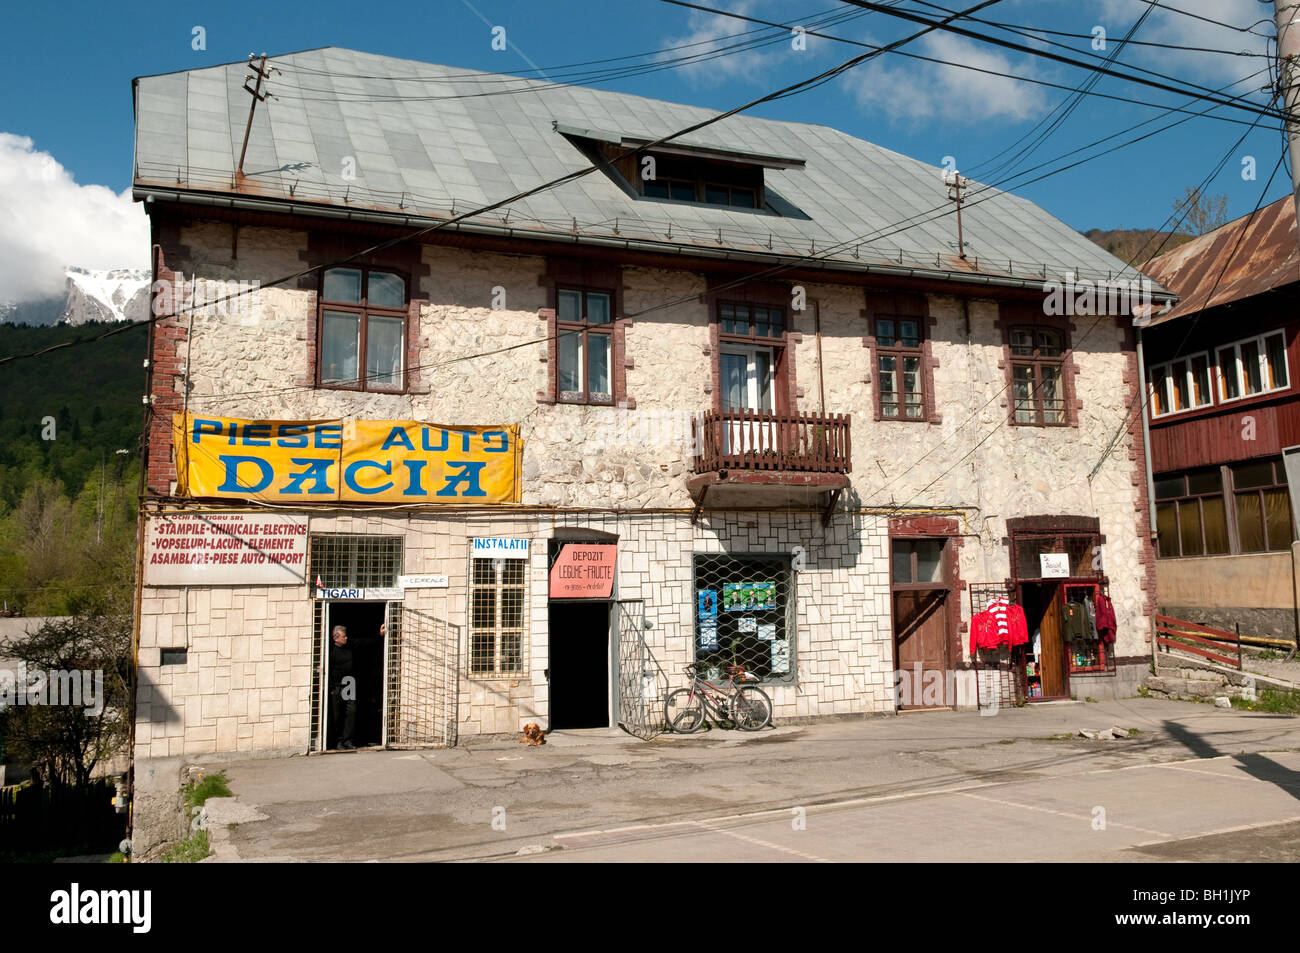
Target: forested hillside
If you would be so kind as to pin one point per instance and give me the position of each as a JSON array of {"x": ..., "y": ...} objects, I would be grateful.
[{"x": 67, "y": 496}]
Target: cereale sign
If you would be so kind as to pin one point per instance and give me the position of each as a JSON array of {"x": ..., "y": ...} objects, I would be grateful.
[{"x": 330, "y": 461}]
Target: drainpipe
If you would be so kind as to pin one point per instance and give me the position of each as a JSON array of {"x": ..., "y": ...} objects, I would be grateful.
[
  {"x": 821, "y": 380},
  {"x": 1146, "y": 456}
]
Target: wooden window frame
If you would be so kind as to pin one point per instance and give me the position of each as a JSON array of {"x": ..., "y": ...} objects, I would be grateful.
[
  {"x": 364, "y": 310},
  {"x": 585, "y": 328},
  {"x": 773, "y": 295},
  {"x": 906, "y": 306},
  {"x": 1165, "y": 398},
  {"x": 569, "y": 274},
  {"x": 900, "y": 352},
  {"x": 1228, "y": 491},
  {"x": 1261, "y": 340},
  {"x": 497, "y": 629},
  {"x": 1038, "y": 362}
]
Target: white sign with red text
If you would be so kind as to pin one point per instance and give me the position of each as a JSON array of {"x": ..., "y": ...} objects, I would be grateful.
[{"x": 224, "y": 549}]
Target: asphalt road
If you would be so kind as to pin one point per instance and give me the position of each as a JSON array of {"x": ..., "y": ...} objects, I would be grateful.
[{"x": 1193, "y": 783}]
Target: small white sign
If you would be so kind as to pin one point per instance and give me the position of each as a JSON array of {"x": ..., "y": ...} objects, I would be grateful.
[
  {"x": 1054, "y": 565},
  {"x": 747, "y": 623},
  {"x": 500, "y": 547},
  {"x": 423, "y": 582},
  {"x": 355, "y": 594}
]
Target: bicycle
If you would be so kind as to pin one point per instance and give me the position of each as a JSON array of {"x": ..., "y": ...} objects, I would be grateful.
[{"x": 745, "y": 706}]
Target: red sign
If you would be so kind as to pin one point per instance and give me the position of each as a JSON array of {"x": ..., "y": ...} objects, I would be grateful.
[{"x": 584, "y": 571}]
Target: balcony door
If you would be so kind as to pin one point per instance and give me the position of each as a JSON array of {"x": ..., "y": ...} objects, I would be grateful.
[{"x": 747, "y": 385}]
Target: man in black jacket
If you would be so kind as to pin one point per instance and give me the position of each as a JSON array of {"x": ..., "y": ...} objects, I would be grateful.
[{"x": 343, "y": 689}]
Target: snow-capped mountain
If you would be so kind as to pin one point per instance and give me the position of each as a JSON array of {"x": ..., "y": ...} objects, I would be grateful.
[{"x": 118, "y": 294}]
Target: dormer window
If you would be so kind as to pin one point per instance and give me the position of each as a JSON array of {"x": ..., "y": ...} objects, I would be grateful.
[{"x": 684, "y": 173}]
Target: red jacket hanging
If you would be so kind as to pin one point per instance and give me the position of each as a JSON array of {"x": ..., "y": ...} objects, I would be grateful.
[
  {"x": 1003, "y": 623},
  {"x": 1106, "y": 623}
]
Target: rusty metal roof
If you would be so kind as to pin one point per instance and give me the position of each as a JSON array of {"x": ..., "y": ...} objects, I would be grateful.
[{"x": 1266, "y": 257}]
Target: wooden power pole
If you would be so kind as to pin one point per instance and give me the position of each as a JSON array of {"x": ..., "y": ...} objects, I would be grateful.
[
  {"x": 1287, "y": 18},
  {"x": 258, "y": 96}
]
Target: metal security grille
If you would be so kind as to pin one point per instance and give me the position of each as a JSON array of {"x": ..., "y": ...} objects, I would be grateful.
[
  {"x": 497, "y": 602},
  {"x": 363, "y": 562},
  {"x": 642, "y": 684},
  {"x": 317, "y": 701},
  {"x": 423, "y": 681},
  {"x": 999, "y": 676},
  {"x": 744, "y": 616}
]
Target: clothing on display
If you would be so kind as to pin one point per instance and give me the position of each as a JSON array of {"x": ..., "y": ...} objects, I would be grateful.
[
  {"x": 1105, "y": 618},
  {"x": 1002, "y": 623}
]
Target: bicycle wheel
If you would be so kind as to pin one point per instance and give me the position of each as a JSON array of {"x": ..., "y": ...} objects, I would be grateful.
[
  {"x": 684, "y": 711},
  {"x": 751, "y": 709}
]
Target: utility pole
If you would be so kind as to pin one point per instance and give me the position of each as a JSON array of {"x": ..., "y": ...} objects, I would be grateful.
[
  {"x": 1287, "y": 18},
  {"x": 957, "y": 184},
  {"x": 258, "y": 96}
]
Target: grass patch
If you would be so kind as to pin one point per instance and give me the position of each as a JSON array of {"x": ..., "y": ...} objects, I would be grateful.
[
  {"x": 1064, "y": 737},
  {"x": 196, "y": 845},
  {"x": 1268, "y": 655},
  {"x": 1090, "y": 700},
  {"x": 1135, "y": 731},
  {"x": 188, "y": 851},
  {"x": 197, "y": 792},
  {"x": 1144, "y": 692},
  {"x": 117, "y": 857},
  {"x": 1007, "y": 741},
  {"x": 1271, "y": 700}
]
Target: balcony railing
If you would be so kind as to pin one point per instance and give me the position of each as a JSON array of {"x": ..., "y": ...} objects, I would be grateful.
[{"x": 762, "y": 440}]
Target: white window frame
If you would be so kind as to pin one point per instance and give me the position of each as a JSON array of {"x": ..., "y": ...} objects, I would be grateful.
[
  {"x": 1260, "y": 341},
  {"x": 1167, "y": 367}
]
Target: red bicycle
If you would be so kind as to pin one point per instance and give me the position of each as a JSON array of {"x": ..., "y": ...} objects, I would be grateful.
[{"x": 745, "y": 706}]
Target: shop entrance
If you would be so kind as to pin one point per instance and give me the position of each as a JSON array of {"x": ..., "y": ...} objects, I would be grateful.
[
  {"x": 919, "y": 579},
  {"x": 356, "y": 707},
  {"x": 579, "y": 669},
  {"x": 1047, "y": 660}
]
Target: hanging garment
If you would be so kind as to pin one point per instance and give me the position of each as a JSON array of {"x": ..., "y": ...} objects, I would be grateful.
[
  {"x": 1092, "y": 618},
  {"x": 1105, "y": 618},
  {"x": 1013, "y": 630},
  {"x": 1074, "y": 622}
]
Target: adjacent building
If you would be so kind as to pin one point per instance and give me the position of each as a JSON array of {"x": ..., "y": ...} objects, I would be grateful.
[
  {"x": 1222, "y": 407},
  {"x": 737, "y": 398}
]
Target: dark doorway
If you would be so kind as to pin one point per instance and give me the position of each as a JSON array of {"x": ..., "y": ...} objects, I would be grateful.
[
  {"x": 362, "y": 621},
  {"x": 1042, "y": 604},
  {"x": 579, "y": 664}
]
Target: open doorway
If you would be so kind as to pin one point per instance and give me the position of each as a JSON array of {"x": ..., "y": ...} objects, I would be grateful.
[
  {"x": 354, "y": 710},
  {"x": 579, "y": 664},
  {"x": 1048, "y": 661}
]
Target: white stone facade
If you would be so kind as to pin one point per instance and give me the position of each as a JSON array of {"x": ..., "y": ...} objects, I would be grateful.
[{"x": 248, "y": 683}]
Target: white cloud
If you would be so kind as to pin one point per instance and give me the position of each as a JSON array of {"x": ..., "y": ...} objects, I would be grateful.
[
  {"x": 48, "y": 221},
  {"x": 916, "y": 90},
  {"x": 1167, "y": 26},
  {"x": 709, "y": 33}
]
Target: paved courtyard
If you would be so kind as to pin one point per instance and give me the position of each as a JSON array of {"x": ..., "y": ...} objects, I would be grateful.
[{"x": 1193, "y": 783}]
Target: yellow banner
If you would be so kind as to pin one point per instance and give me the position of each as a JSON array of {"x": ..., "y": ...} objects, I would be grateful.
[{"x": 329, "y": 461}]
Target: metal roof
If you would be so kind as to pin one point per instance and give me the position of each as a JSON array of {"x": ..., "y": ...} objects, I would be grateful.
[
  {"x": 426, "y": 142},
  {"x": 1266, "y": 257}
]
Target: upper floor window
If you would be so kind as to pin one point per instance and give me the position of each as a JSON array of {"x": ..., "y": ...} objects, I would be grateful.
[
  {"x": 1238, "y": 508},
  {"x": 584, "y": 326},
  {"x": 900, "y": 390},
  {"x": 1256, "y": 365},
  {"x": 1180, "y": 385},
  {"x": 363, "y": 329},
  {"x": 751, "y": 321},
  {"x": 1038, "y": 376}
]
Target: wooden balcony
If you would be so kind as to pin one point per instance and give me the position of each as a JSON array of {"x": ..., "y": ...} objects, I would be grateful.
[{"x": 794, "y": 456}]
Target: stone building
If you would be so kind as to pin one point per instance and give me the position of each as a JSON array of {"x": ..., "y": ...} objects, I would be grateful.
[{"x": 754, "y": 406}]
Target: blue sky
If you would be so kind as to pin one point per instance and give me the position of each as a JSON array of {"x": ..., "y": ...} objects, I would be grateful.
[{"x": 68, "y": 67}]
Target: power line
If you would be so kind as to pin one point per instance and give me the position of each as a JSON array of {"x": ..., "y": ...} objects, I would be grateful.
[
  {"x": 913, "y": 221},
  {"x": 782, "y": 93},
  {"x": 1069, "y": 61}
]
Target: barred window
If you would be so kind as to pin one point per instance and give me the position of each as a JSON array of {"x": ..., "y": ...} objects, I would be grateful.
[
  {"x": 497, "y": 610},
  {"x": 744, "y": 616},
  {"x": 360, "y": 562}
]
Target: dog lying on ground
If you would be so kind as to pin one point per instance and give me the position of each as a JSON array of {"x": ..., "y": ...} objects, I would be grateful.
[{"x": 533, "y": 735}]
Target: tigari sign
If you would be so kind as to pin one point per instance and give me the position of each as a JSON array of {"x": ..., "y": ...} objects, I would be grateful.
[{"x": 328, "y": 461}]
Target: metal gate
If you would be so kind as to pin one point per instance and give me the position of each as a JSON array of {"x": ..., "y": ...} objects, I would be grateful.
[
  {"x": 421, "y": 704},
  {"x": 642, "y": 684}
]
